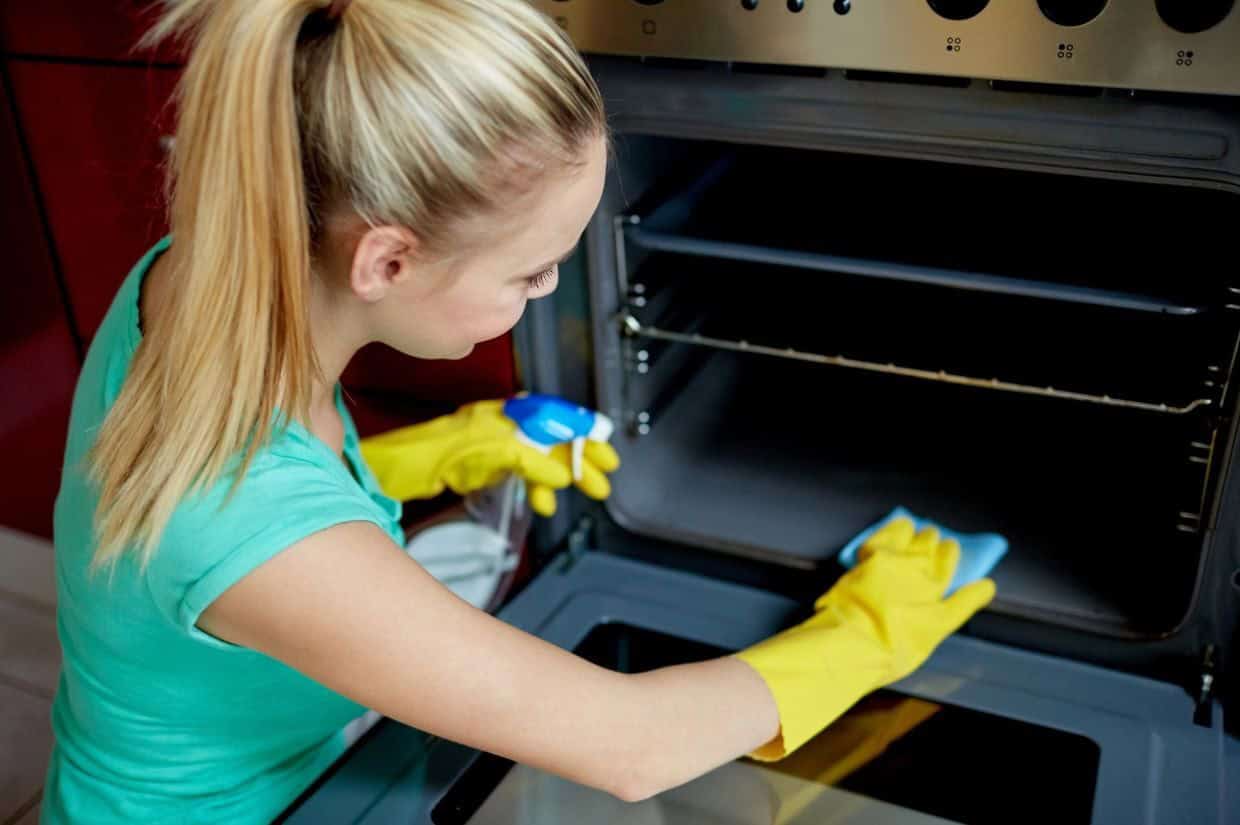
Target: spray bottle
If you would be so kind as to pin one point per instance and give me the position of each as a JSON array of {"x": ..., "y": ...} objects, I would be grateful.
[
  {"x": 476, "y": 558},
  {"x": 543, "y": 421}
]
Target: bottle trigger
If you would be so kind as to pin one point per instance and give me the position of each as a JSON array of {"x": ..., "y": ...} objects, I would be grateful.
[{"x": 579, "y": 447}]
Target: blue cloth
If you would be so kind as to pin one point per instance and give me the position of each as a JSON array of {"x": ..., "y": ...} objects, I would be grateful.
[{"x": 979, "y": 552}]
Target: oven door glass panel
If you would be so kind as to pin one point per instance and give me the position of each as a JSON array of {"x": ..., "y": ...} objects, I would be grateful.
[{"x": 892, "y": 759}]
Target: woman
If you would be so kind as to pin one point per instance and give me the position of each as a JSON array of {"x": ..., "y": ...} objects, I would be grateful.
[{"x": 232, "y": 586}]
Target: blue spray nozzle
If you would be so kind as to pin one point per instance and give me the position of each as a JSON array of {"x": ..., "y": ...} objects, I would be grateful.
[{"x": 548, "y": 420}]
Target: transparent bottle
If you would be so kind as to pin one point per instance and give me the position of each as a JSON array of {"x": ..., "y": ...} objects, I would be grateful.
[
  {"x": 476, "y": 555},
  {"x": 503, "y": 509}
]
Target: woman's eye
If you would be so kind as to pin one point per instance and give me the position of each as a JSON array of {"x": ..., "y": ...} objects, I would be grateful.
[{"x": 541, "y": 279}]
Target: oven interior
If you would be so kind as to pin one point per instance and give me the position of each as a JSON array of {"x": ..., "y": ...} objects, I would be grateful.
[
  {"x": 796, "y": 341},
  {"x": 880, "y": 762}
]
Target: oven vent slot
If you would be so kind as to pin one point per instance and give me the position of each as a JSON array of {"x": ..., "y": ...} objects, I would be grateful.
[
  {"x": 869, "y": 76},
  {"x": 1060, "y": 89},
  {"x": 682, "y": 63},
  {"x": 779, "y": 69},
  {"x": 1186, "y": 99}
]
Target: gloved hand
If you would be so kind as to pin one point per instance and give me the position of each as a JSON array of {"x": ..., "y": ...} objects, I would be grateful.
[
  {"x": 474, "y": 448},
  {"x": 879, "y": 622}
]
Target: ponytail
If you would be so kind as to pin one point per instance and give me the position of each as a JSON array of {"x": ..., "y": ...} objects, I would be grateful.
[
  {"x": 233, "y": 344},
  {"x": 416, "y": 114}
]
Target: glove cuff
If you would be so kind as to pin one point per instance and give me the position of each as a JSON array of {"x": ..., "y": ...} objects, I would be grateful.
[{"x": 811, "y": 688}]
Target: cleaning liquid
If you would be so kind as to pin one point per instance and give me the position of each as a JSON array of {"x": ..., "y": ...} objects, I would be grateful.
[
  {"x": 543, "y": 421},
  {"x": 477, "y": 557}
]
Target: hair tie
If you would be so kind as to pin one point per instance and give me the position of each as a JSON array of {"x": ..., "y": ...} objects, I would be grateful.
[{"x": 336, "y": 8}]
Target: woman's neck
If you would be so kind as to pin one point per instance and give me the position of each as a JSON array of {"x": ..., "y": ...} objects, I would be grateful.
[{"x": 337, "y": 336}]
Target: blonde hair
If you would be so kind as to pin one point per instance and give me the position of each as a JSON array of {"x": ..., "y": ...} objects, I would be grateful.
[{"x": 417, "y": 113}]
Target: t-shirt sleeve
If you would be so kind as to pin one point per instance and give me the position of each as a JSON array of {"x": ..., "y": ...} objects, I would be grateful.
[{"x": 214, "y": 540}]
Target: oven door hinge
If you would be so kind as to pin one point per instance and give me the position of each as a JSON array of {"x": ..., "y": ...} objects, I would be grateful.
[
  {"x": 577, "y": 544},
  {"x": 1203, "y": 713}
]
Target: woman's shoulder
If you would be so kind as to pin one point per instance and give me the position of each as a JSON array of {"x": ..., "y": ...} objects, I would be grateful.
[
  {"x": 110, "y": 353},
  {"x": 120, "y": 331},
  {"x": 219, "y": 534},
  {"x": 287, "y": 480}
]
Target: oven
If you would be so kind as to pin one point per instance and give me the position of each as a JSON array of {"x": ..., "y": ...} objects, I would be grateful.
[{"x": 973, "y": 258}]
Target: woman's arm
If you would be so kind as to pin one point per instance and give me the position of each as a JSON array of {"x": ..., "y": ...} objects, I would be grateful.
[{"x": 347, "y": 608}]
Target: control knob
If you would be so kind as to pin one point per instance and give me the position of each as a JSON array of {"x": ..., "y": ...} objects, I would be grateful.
[
  {"x": 1071, "y": 12},
  {"x": 1192, "y": 16},
  {"x": 958, "y": 9}
]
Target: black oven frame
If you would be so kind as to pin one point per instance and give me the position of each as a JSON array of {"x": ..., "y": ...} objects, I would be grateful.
[{"x": 1188, "y": 141}]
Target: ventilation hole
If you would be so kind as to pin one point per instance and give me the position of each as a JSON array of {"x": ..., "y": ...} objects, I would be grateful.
[
  {"x": 1176, "y": 98},
  {"x": 678, "y": 63},
  {"x": 914, "y": 79},
  {"x": 1045, "y": 89},
  {"x": 776, "y": 69}
]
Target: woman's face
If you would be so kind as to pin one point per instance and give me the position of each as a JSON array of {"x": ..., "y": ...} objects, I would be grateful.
[{"x": 443, "y": 310}]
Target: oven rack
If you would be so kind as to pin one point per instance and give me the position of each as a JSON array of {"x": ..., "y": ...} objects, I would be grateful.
[
  {"x": 632, "y": 327},
  {"x": 664, "y": 374},
  {"x": 660, "y": 241},
  {"x": 712, "y": 214}
]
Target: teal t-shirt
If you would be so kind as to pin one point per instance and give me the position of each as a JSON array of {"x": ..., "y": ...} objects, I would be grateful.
[{"x": 155, "y": 720}]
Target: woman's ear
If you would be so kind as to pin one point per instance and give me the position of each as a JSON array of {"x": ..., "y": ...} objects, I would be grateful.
[{"x": 384, "y": 257}]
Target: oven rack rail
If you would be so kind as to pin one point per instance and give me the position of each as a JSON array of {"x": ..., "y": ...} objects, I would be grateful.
[
  {"x": 633, "y": 327},
  {"x": 669, "y": 242}
]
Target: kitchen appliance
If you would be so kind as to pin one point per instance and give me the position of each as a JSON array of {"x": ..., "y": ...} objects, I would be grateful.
[{"x": 975, "y": 258}]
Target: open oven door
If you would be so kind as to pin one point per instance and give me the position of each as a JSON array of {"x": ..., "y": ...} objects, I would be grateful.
[{"x": 983, "y": 733}]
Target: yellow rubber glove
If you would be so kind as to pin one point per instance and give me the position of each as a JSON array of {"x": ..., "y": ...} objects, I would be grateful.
[
  {"x": 879, "y": 622},
  {"x": 474, "y": 448}
]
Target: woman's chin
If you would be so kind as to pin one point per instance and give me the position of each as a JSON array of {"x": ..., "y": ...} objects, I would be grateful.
[{"x": 437, "y": 354}]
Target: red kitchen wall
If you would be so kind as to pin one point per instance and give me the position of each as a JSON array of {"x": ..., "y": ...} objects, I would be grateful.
[
  {"x": 93, "y": 134},
  {"x": 38, "y": 355},
  {"x": 80, "y": 136},
  {"x": 80, "y": 30}
]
